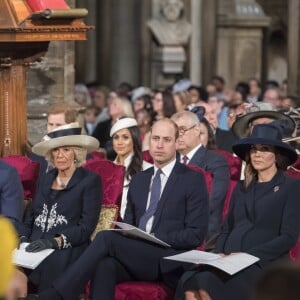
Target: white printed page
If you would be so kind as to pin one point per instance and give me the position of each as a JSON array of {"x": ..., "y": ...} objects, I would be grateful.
[
  {"x": 230, "y": 264},
  {"x": 29, "y": 260},
  {"x": 133, "y": 231}
]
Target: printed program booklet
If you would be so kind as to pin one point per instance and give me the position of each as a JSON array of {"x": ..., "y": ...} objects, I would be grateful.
[
  {"x": 135, "y": 232},
  {"x": 29, "y": 260},
  {"x": 230, "y": 264}
]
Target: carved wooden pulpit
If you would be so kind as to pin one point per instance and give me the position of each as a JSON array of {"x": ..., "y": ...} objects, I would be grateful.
[{"x": 25, "y": 33}]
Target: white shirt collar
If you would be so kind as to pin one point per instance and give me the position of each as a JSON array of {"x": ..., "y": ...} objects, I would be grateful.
[
  {"x": 127, "y": 160},
  {"x": 191, "y": 153},
  {"x": 167, "y": 169}
]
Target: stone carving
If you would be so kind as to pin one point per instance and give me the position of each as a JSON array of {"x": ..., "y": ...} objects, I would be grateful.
[{"x": 171, "y": 29}]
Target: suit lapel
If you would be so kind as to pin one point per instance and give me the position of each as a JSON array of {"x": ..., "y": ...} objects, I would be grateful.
[
  {"x": 145, "y": 188},
  {"x": 198, "y": 157},
  {"x": 47, "y": 182},
  {"x": 76, "y": 178},
  {"x": 166, "y": 193}
]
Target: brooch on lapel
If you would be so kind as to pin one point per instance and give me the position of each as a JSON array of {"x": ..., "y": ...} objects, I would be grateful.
[{"x": 276, "y": 188}]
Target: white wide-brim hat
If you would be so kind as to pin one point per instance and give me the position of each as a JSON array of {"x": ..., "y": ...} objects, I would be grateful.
[
  {"x": 65, "y": 135},
  {"x": 122, "y": 124}
]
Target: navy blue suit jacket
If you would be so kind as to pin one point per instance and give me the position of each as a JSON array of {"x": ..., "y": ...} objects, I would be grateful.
[
  {"x": 11, "y": 194},
  {"x": 181, "y": 218},
  {"x": 267, "y": 225},
  {"x": 218, "y": 166},
  {"x": 72, "y": 212}
]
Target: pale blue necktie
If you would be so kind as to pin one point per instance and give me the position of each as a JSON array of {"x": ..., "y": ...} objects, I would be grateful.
[{"x": 154, "y": 199}]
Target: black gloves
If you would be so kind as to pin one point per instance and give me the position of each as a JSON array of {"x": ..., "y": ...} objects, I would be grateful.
[{"x": 42, "y": 244}]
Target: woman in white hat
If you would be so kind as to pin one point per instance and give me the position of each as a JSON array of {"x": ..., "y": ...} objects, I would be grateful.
[
  {"x": 127, "y": 144},
  {"x": 66, "y": 207},
  {"x": 263, "y": 219}
]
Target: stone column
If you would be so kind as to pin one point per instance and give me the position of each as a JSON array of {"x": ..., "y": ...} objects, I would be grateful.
[
  {"x": 125, "y": 41},
  {"x": 209, "y": 25},
  {"x": 196, "y": 42},
  {"x": 103, "y": 31},
  {"x": 239, "y": 40},
  {"x": 86, "y": 51},
  {"x": 293, "y": 47}
]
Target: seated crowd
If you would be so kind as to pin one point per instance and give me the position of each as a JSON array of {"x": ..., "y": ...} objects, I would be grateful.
[{"x": 191, "y": 157}]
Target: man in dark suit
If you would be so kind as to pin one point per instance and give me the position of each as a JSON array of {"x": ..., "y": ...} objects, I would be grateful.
[
  {"x": 193, "y": 152},
  {"x": 11, "y": 194},
  {"x": 180, "y": 219}
]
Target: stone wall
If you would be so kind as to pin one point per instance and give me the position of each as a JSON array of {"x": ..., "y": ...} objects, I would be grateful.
[{"x": 49, "y": 81}]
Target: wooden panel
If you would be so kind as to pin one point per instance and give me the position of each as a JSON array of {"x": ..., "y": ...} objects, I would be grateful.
[
  {"x": 20, "y": 9},
  {"x": 6, "y": 18}
]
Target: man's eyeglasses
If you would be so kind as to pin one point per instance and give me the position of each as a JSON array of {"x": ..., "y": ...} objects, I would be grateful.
[{"x": 184, "y": 130}]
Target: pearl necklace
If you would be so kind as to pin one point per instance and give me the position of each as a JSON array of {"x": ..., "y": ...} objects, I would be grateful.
[{"x": 62, "y": 184}]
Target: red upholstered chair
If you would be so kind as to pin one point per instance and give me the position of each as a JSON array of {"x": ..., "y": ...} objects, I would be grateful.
[
  {"x": 147, "y": 156},
  {"x": 154, "y": 290},
  {"x": 294, "y": 171},
  {"x": 207, "y": 176},
  {"x": 295, "y": 252},
  {"x": 98, "y": 155},
  {"x": 28, "y": 171},
  {"x": 143, "y": 291},
  {"x": 235, "y": 166},
  {"x": 112, "y": 177}
]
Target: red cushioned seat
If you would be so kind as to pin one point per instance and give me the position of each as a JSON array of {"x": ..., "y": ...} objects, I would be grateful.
[
  {"x": 147, "y": 157},
  {"x": 98, "y": 155},
  {"x": 235, "y": 166},
  {"x": 112, "y": 176},
  {"x": 143, "y": 291},
  {"x": 28, "y": 171},
  {"x": 294, "y": 171}
]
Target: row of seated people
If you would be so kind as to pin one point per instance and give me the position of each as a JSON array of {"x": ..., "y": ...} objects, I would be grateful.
[{"x": 112, "y": 176}]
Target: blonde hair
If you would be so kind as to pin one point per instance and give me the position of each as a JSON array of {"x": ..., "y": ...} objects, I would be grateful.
[
  {"x": 79, "y": 156},
  {"x": 127, "y": 107}
]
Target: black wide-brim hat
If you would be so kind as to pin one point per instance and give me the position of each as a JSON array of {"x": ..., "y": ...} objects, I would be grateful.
[
  {"x": 265, "y": 134},
  {"x": 241, "y": 125}
]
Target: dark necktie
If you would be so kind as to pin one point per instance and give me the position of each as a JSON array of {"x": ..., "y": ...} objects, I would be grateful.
[
  {"x": 185, "y": 160},
  {"x": 154, "y": 199}
]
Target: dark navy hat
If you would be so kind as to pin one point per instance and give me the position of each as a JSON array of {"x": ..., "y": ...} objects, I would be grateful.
[{"x": 265, "y": 134}]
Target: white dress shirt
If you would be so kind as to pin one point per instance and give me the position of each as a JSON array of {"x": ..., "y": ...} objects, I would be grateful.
[
  {"x": 190, "y": 154},
  {"x": 164, "y": 176}
]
